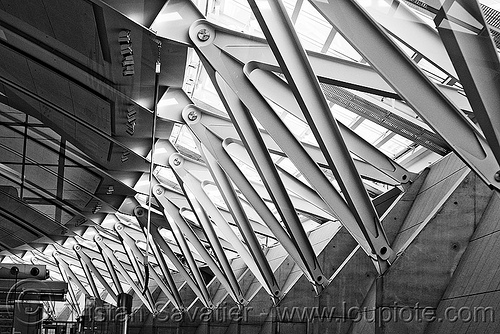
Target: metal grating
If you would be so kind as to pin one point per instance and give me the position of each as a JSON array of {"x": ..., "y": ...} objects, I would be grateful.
[
  {"x": 386, "y": 119},
  {"x": 492, "y": 17}
]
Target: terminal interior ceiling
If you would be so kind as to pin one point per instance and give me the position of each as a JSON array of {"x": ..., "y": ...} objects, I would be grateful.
[{"x": 156, "y": 147}]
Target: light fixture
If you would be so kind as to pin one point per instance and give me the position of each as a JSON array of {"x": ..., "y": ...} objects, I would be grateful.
[
  {"x": 125, "y": 155},
  {"x": 127, "y": 52},
  {"x": 131, "y": 118}
]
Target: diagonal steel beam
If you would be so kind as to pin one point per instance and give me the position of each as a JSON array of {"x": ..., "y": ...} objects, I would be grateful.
[
  {"x": 264, "y": 164},
  {"x": 85, "y": 260},
  {"x": 201, "y": 293},
  {"x": 214, "y": 145},
  {"x": 406, "y": 26},
  {"x": 135, "y": 256},
  {"x": 171, "y": 291},
  {"x": 112, "y": 271},
  {"x": 165, "y": 271},
  {"x": 420, "y": 93},
  {"x": 297, "y": 69},
  {"x": 180, "y": 227},
  {"x": 232, "y": 200},
  {"x": 90, "y": 278},
  {"x": 69, "y": 273},
  {"x": 272, "y": 87},
  {"x": 182, "y": 167},
  {"x": 109, "y": 254},
  {"x": 475, "y": 58},
  {"x": 213, "y": 239},
  {"x": 296, "y": 189}
]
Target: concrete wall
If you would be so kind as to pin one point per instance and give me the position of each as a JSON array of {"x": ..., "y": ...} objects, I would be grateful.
[{"x": 444, "y": 229}]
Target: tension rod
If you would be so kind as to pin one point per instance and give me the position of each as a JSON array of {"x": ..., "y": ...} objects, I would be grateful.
[{"x": 151, "y": 166}]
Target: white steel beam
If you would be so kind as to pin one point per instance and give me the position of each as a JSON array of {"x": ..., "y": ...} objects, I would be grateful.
[
  {"x": 297, "y": 69},
  {"x": 369, "y": 39}
]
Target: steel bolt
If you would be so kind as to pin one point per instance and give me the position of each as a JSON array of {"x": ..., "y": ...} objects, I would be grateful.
[
  {"x": 139, "y": 212},
  {"x": 497, "y": 176},
  {"x": 177, "y": 161},
  {"x": 193, "y": 115},
  {"x": 203, "y": 34},
  {"x": 159, "y": 191}
]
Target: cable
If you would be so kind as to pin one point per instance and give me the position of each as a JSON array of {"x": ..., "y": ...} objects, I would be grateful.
[{"x": 151, "y": 167}]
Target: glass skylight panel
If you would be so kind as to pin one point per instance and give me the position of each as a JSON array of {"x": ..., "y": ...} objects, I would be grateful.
[
  {"x": 205, "y": 91},
  {"x": 308, "y": 137},
  {"x": 236, "y": 10},
  {"x": 295, "y": 125},
  {"x": 436, "y": 73},
  {"x": 176, "y": 130},
  {"x": 370, "y": 131},
  {"x": 186, "y": 140},
  {"x": 166, "y": 176},
  {"x": 288, "y": 165},
  {"x": 290, "y": 6},
  {"x": 395, "y": 146},
  {"x": 213, "y": 193},
  {"x": 343, "y": 115},
  {"x": 312, "y": 28},
  {"x": 341, "y": 48}
]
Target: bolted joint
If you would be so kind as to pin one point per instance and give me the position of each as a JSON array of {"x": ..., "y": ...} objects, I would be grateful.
[
  {"x": 158, "y": 190},
  {"x": 203, "y": 34},
  {"x": 139, "y": 211},
  {"x": 497, "y": 176},
  {"x": 176, "y": 161},
  {"x": 192, "y": 115}
]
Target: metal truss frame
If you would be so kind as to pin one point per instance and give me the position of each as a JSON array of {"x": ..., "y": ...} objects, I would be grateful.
[
  {"x": 412, "y": 85},
  {"x": 470, "y": 47}
]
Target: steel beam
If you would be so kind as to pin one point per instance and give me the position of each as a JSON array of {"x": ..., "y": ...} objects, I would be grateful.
[
  {"x": 213, "y": 239},
  {"x": 109, "y": 254},
  {"x": 475, "y": 58},
  {"x": 165, "y": 271},
  {"x": 247, "y": 48},
  {"x": 90, "y": 279},
  {"x": 402, "y": 23},
  {"x": 412, "y": 84},
  {"x": 135, "y": 256},
  {"x": 198, "y": 284},
  {"x": 232, "y": 200},
  {"x": 264, "y": 164},
  {"x": 182, "y": 167},
  {"x": 296, "y": 67},
  {"x": 172, "y": 294},
  {"x": 314, "y": 205},
  {"x": 214, "y": 145},
  {"x": 85, "y": 260},
  {"x": 200, "y": 292},
  {"x": 275, "y": 89},
  {"x": 130, "y": 240},
  {"x": 160, "y": 193},
  {"x": 70, "y": 274}
]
